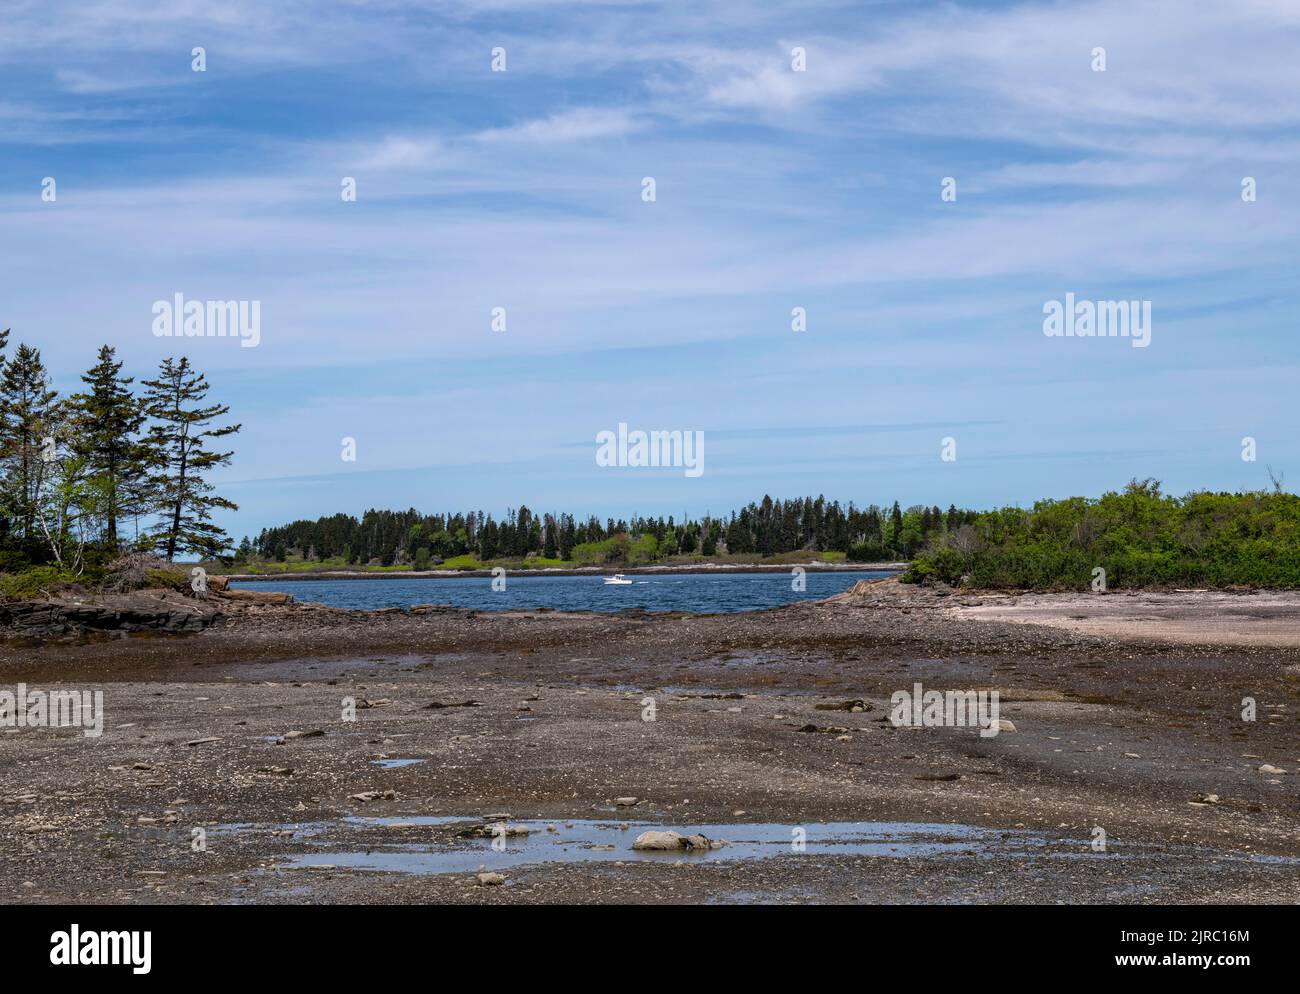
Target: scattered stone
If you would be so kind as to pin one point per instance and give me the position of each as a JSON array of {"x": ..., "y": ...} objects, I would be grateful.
[
  {"x": 1266, "y": 768},
  {"x": 439, "y": 705},
  {"x": 493, "y": 830},
  {"x": 373, "y": 795},
  {"x": 856, "y": 706},
  {"x": 673, "y": 842}
]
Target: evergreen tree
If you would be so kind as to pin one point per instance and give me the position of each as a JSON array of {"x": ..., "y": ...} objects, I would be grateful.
[
  {"x": 551, "y": 545},
  {"x": 177, "y": 445},
  {"x": 5, "y": 514},
  {"x": 107, "y": 426},
  {"x": 30, "y": 411},
  {"x": 895, "y": 527}
]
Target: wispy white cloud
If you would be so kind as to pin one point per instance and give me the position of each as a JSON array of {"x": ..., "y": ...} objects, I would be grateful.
[
  {"x": 776, "y": 189},
  {"x": 577, "y": 124}
]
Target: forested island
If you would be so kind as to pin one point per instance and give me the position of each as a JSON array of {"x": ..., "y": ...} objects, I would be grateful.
[
  {"x": 1136, "y": 537},
  {"x": 767, "y": 530},
  {"x": 113, "y": 480}
]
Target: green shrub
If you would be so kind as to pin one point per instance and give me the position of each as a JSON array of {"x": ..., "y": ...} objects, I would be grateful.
[
  {"x": 169, "y": 579},
  {"x": 33, "y": 583},
  {"x": 1140, "y": 537}
]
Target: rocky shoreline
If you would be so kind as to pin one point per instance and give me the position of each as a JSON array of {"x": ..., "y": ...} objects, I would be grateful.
[
  {"x": 150, "y": 611},
  {"x": 763, "y": 724},
  {"x": 116, "y": 615}
]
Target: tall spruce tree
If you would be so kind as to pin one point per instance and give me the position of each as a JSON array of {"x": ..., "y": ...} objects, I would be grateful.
[
  {"x": 107, "y": 423},
  {"x": 895, "y": 529},
  {"x": 30, "y": 411},
  {"x": 177, "y": 444},
  {"x": 6, "y": 517}
]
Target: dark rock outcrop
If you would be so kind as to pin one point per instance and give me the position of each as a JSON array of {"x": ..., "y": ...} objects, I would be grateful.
[{"x": 162, "y": 612}]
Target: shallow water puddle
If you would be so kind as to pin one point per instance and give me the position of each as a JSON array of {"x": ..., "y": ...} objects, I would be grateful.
[
  {"x": 608, "y": 841},
  {"x": 396, "y": 764}
]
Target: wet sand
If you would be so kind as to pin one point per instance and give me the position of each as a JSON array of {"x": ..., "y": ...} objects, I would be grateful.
[{"x": 1139, "y": 734}]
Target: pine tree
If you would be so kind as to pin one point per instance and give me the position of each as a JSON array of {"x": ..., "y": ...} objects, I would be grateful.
[
  {"x": 177, "y": 445},
  {"x": 550, "y": 546},
  {"x": 893, "y": 538},
  {"x": 6, "y": 514},
  {"x": 29, "y": 412},
  {"x": 107, "y": 426}
]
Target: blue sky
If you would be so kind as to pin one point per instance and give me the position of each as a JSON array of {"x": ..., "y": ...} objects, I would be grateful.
[{"x": 775, "y": 189}]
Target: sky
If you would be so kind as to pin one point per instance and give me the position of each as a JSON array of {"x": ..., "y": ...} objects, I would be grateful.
[{"x": 776, "y": 187}]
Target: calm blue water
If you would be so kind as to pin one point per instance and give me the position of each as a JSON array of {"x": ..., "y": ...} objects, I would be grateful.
[{"x": 698, "y": 592}]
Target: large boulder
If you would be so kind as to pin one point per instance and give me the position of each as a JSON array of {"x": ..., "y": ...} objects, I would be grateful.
[{"x": 673, "y": 842}]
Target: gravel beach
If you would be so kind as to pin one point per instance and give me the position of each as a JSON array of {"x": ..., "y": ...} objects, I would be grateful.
[{"x": 302, "y": 754}]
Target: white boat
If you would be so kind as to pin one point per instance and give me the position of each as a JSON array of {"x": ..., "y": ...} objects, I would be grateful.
[{"x": 617, "y": 578}]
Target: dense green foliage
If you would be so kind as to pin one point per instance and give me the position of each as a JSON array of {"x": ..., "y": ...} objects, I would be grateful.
[
  {"x": 75, "y": 470},
  {"x": 1140, "y": 537},
  {"x": 764, "y": 529}
]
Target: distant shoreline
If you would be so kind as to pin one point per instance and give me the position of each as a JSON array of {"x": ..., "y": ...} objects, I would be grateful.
[{"x": 435, "y": 574}]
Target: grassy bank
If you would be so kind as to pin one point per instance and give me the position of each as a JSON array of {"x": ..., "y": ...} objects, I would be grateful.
[{"x": 1139, "y": 537}]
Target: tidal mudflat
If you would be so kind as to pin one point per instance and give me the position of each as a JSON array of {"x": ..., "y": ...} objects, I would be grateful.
[{"x": 228, "y": 770}]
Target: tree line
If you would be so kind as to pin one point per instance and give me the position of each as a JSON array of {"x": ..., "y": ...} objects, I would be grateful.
[
  {"x": 1136, "y": 537},
  {"x": 765, "y": 528},
  {"x": 113, "y": 467}
]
